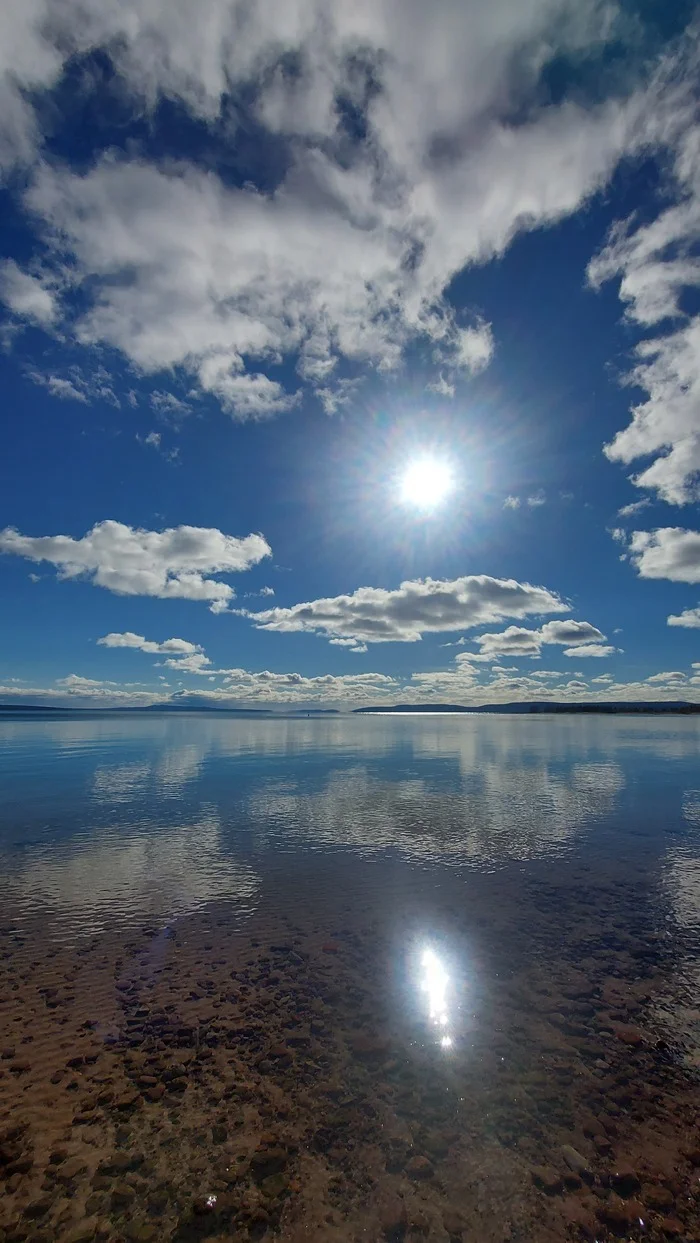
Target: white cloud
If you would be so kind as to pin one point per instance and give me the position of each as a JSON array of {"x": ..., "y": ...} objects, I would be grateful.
[
  {"x": 26, "y": 295},
  {"x": 78, "y": 385},
  {"x": 169, "y": 564},
  {"x": 196, "y": 663},
  {"x": 657, "y": 263},
  {"x": 520, "y": 641},
  {"x": 537, "y": 499},
  {"x": 76, "y": 683},
  {"x": 689, "y": 618},
  {"x": 354, "y": 689},
  {"x": 673, "y": 675},
  {"x": 668, "y": 552},
  {"x": 418, "y": 607},
  {"x": 57, "y": 386},
  {"x": 349, "y": 257},
  {"x": 168, "y": 406},
  {"x": 511, "y": 502},
  {"x": 473, "y": 348},
  {"x": 443, "y": 387},
  {"x": 634, "y": 507},
  {"x": 139, "y": 643},
  {"x": 591, "y": 649},
  {"x": 513, "y": 641}
]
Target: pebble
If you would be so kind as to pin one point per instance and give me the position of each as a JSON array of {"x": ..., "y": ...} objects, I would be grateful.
[
  {"x": 657, "y": 1197},
  {"x": 123, "y": 1193},
  {"x": 625, "y": 1181},
  {"x": 84, "y": 1233},
  {"x": 628, "y": 1034},
  {"x": 547, "y": 1179},
  {"x": 275, "y": 1185},
  {"x": 419, "y": 1167},
  {"x": 621, "y": 1215},
  {"x": 71, "y": 1169},
  {"x": 577, "y": 1162}
]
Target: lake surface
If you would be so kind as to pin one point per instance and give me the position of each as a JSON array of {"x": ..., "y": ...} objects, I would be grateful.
[{"x": 425, "y": 977}]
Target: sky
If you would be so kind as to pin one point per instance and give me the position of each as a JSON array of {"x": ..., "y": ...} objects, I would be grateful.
[{"x": 349, "y": 352}]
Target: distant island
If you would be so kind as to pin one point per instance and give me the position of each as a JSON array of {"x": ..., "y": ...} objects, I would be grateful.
[{"x": 631, "y": 706}]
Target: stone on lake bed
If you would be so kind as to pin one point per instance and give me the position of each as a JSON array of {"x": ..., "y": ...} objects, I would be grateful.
[
  {"x": 625, "y": 1181},
  {"x": 419, "y": 1167},
  {"x": 123, "y": 1193},
  {"x": 547, "y": 1179},
  {"x": 620, "y": 1216},
  {"x": 70, "y": 1169},
  {"x": 84, "y": 1233},
  {"x": 657, "y": 1197},
  {"x": 275, "y": 1185},
  {"x": 628, "y": 1034},
  {"x": 577, "y": 1162}
]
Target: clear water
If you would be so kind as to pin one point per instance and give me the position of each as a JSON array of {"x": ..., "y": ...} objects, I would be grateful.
[
  {"x": 106, "y": 820},
  {"x": 484, "y": 928}
]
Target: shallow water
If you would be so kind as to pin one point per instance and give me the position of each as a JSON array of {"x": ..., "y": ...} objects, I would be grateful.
[{"x": 350, "y": 978}]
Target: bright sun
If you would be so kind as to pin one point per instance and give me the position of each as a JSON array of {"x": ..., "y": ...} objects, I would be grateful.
[{"x": 425, "y": 483}]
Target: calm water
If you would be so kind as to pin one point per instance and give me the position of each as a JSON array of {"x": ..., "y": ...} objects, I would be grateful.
[
  {"x": 107, "y": 820},
  {"x": 350, "y": 978}
]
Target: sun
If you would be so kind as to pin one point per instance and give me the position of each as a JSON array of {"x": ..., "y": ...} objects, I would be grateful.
[{"x": 425, "y": 483}]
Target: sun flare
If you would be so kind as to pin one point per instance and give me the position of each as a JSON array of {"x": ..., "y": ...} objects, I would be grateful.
[{"x": 425, "y": 483}]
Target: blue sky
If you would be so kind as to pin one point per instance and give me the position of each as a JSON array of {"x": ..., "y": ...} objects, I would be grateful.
[{"x": 256, "y": 268}]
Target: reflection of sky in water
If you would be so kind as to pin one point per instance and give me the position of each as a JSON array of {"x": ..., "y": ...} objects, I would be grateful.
[
  {"x": 147, "y": 871},
  {"x": 502, "y": 814},
  {"x": 117, "y": 817}
]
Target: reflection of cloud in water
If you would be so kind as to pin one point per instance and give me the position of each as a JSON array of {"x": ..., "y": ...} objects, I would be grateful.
[
  {"x": 150, "y": 872},
  {"x": 170, "y": 769},
  {"x": 177, "y": 766},
  {"x": 118, "y": 783},
  {"x": 500, "y": 814},
  {"x": 691, "y": 807},
  {"x": 499, "y": 737},
  {"x": 682, "y": 868}
]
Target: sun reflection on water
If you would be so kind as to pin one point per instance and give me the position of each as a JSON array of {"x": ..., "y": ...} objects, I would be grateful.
[{"x": 434, "y": 982}]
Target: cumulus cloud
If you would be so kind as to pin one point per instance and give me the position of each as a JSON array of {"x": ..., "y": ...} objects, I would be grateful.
[
  {"x": 689, "y": 619},
  {"x": 178, "y": 647},
  {"x": 591, "y": 649},
  {"x": 26, "y": 295},
  {"x": 657, "y": 263},
  {"x": 170, "y": 564},
  {"x": 511, "y": 502},
  {"x": 668, "y": 552},
  {"x": 672, "y": 675},
  {"x": 521, "y": 641},
  {"x": 455, "y": 149},
  {"x": 417, "y": 607}
]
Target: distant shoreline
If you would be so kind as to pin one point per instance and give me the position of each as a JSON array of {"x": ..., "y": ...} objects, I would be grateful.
[
  {"x": 535, "y": 708},
  {"x": 656, "y": 707}
]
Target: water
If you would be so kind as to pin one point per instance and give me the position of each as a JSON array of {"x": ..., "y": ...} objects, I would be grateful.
[{"x": 417, "y": 959}]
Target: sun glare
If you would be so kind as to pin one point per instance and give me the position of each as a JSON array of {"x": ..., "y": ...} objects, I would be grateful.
[{"x": 425, "y": 483}]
